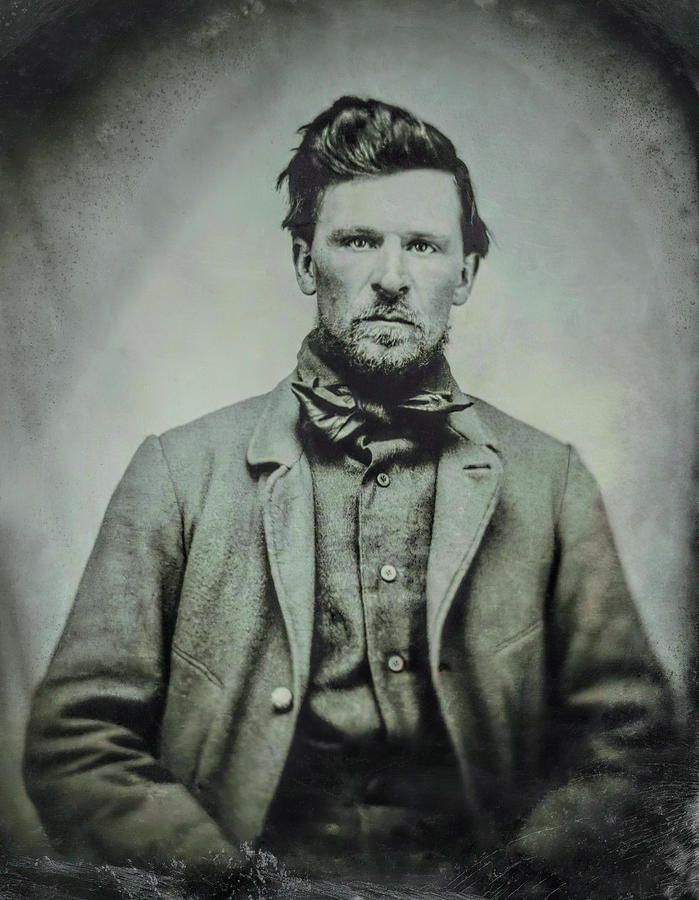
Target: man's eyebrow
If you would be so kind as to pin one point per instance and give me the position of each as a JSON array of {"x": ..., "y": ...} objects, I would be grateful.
[
  {"x": 435, "y": 236},
  {"x": 338, "y": 234}
]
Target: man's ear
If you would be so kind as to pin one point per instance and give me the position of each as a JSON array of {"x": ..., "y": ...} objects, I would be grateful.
[
  {"x": 304, "y": 265},
  {"x": 468, "y": 274}
]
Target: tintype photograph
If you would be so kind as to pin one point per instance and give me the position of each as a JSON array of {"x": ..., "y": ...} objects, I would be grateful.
[{"x": 348, "y": 511}]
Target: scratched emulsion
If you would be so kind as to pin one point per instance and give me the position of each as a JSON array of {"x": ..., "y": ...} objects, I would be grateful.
[{"x": 145, "y": 279}]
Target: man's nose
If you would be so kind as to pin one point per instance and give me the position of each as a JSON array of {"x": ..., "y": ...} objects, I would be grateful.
[{"x": 390, "y": 275}]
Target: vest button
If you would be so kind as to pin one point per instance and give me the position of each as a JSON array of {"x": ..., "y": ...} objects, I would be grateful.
[
  {"x": 383, "y": 479},
  {"x": 395, "y": 662},
  {"x": 388, "y": 573},
  {"x": 282, "y": 699}
]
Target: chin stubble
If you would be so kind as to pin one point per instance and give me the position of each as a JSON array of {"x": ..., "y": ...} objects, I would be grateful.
[{"x": 347, "y": 350}]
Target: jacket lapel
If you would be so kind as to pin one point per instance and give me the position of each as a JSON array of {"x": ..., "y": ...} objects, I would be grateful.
[
  {"x": 289, "y": 522},
  {"x": 468, "y": 484}
]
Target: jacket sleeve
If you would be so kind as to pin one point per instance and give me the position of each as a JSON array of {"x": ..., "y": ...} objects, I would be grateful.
[
  {"x": 91, "y": 764},
  {"x": 610, "y": 707}
]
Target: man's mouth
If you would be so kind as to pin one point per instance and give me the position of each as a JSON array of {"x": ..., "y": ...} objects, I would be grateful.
[{"x": 389, "y": 317}]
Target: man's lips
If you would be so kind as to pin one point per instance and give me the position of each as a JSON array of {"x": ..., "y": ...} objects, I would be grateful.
[{"x": 388, "y": 317}]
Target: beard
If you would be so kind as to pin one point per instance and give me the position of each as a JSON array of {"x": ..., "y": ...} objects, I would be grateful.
[{"x": 369, "y": 349}]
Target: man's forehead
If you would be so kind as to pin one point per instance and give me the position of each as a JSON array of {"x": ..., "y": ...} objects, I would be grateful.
[{"x": 420, "y": 199}]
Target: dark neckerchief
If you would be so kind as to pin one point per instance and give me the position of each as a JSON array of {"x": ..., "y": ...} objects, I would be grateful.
[{"x": 340, "y": 412}]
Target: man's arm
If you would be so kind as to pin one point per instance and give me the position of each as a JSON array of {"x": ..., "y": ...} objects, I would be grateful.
[
  {"x": 611, "y": 708},
  {"x": 90, "y": 764}
]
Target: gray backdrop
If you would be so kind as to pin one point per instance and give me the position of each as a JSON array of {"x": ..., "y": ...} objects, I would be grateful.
[{"x": 145, "y": 279}]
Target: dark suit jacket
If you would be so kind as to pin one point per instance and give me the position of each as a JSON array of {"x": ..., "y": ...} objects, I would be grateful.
[{"x": 157, "y": 731}]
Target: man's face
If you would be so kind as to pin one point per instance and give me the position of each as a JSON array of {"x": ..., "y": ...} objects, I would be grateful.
[{"x": 387, "y": 264}]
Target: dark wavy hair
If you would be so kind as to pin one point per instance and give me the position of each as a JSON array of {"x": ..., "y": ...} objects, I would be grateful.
[{"x": 355, "y": 138}]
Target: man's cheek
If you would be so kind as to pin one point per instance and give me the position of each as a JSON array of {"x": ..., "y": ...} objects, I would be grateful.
[
  {"x": 327, "y": 292},
  {"x": 332, "y": 282}
]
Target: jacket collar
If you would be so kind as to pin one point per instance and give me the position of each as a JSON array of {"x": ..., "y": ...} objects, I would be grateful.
[
  {"x": 276, "y": 440},
  {"x": 470, "y": 425}
]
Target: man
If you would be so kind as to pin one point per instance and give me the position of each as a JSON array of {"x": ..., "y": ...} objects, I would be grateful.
[{"x": 365, "y": 620}]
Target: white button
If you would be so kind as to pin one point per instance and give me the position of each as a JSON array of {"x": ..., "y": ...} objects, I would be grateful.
[
  {"x": 383, "y": 479},
  {"x": 388, "y": 573},
  {"x": 282, "y": 699},
  {"x": 395, "y": 662}
]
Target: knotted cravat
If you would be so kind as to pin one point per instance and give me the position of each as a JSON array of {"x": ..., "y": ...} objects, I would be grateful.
[{"x": 340, "y": 415}]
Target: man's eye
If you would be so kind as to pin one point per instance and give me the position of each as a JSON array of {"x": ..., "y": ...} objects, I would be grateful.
[
  {"x": 359, "y": 243},
  {"x": 423, "y": 248}
]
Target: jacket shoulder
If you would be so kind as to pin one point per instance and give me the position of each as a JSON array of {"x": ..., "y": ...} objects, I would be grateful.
[
  {"x": 226, "y": 428},
  {"x": 513, "y": 434},
  {"x": 536, "y": 465},
  {"x": 212, "y": 448}
]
